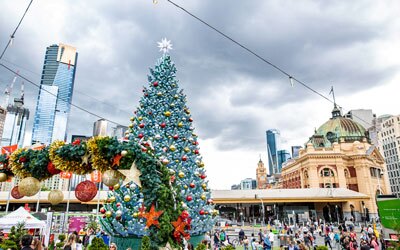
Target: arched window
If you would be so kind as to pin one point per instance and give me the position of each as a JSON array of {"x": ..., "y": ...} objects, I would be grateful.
[
  {"x": 326, "y": 172},
  {"x": 346, "y": 173},
  {"x": 306, "y": 174}
]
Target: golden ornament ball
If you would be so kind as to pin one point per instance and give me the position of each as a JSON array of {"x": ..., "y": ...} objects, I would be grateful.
[
  {"x": 159, "y": 94},
  {"x": 116, "y": 186},
  {"x": 140, "y": 118},
  {"x": 127, "y": 198},
  {"x": 3, "y": 177},
  {"x": 29, "y": 186},
  {"x": 177, "y": 161},
  {"x": 203, "y": 197},
  {"x": 112, "y": 199},
  {"x": 185, "y": 187},
  {"x": 132, "y": 119},
  {"x": 124, "y": 152},
  {"x": 135, "y": 215},
  {"x": 131, "y": 125},
  {"x": 204, "y": 185},
  {"x": 110, "y": 177},
  {"x": 181, "y": 174},
  {"x": 172, "y": 148},
  {"x": 55, "y": 197},
  {"x": 176, "y": 96},
  {"x": 186, "y": 149},
  {"x": 167, "y": 113},
  {"x": 108, "y": 214},
  {"x": 180, "y": 124}
]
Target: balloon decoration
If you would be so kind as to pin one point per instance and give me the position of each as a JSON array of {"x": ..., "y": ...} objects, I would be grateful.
[
  {"x": 3, "y": 177},
  {"x": 55, "y": 197},
  {"x": 29, "y": 186},
  {"x": 85, "y": 191},
  {"x": 15, "y": 193},
  {"x": 110, "y": 177}
]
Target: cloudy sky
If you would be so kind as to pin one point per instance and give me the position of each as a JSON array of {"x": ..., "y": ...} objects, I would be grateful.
[{"x": 234, "y": 97}]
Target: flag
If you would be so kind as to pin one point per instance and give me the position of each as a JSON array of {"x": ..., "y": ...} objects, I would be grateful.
[{"x": 9, "y": 149}]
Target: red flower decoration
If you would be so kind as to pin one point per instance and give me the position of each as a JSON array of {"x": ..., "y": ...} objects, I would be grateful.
[
  {"x": 76, "y": 142},
  {"x": 22, "y": 159}
]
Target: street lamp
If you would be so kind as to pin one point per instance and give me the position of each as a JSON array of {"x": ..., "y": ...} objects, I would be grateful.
[
  {"x": 241, "y": 218},
  {"x": 337, "y": 214},
  {"x": 263, "y": 211}
]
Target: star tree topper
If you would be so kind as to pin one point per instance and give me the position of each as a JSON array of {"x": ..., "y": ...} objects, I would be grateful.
[{"x": 165, "y": 45}]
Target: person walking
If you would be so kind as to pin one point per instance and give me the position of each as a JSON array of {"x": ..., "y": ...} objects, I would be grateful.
[
  {"x": 216, "y": 239},
  {"x": 327, "y": 240},
  {"x": 26, "y": 242},
  {"x": 271, "y": 237}
]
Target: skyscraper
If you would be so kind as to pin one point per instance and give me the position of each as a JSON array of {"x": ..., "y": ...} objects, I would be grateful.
[
  {"x": 15, "y": 124},
  {"x": 100, "y": 128},
  {"x": 283, "y": 156},
  {"x": 55, "y": 94},
  {"x": 295, "y": 151},
  {"x": 273, "y": 140}
]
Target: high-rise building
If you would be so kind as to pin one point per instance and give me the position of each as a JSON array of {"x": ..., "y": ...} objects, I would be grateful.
[
  {"x": 296, "y": 151},
  {"x": 273, "y": 144},
  {"x": 119, "y": 131},
  {"x": 248, "y": 183},
  {"x": 389, "y": 138},
  {"x": 55, "y": 94},
  {"x": 364, "y": 117},
  {"x": 100, "y": 128},
  {"x": 3, "y": 114},
  {"x": 376, "y": 129},
  {"x": 15, "y": 124},
  {"x": 261, "y": 175},
  {"x": 283, "y": 156}
]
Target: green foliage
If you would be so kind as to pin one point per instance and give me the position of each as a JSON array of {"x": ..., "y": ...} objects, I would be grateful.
[
  {"x": 62, "y": 237},
  {"x": 322, "y": 248},
  {"x": 9, "y": 244},
  {"x": 92, "y": 224},
  {"x": 17, "y": 232},
  {"x": 145, "y": 245},
  {"x": 229, "y": 247},
  {"x": 201, "y": 246},
  {"x": 98, "y": 244}
]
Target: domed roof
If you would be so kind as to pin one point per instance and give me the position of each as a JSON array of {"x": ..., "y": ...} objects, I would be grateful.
[{"x": 338, "y": 129}]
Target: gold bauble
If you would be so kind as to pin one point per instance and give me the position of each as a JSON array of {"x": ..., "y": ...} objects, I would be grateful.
[
  {"x": 140, "y": 118},
  {"x": 204, "y": 185},
  {"x": 131, "y": 125},
  {"x": 177, "y": 161},
  {"x": 185, "y": 187},
  {"x": 55, "y": 197},
  {"x": 203, "y": 197},
  {"x": 187, "y": 111},
  {"x": 116, "y": 186},
  {"x": 132, "y": 119},
  {"x": 110, "y": 177},
  {"x": 172, "y": 148},
  {"x": 3, "y": 177},
  {"x": 108, "y": 214},
  {"x": 187, "y": 150},
  {"x": 200, "y": 164},
  {"x": 176, "y": 96},
  {"x": 29, "y": 186},
  {"x": 167, "y": 113},
  {"x": 181, "y": 174},
  {"x": 111, "y": 199},
  {"x": 180, "y": 124},
  {"x": 124, "y": 152},
  {"x": 159, "y": 94},
  {"x": 135, "y": 215},
  {"x": 127, "y": 198}
]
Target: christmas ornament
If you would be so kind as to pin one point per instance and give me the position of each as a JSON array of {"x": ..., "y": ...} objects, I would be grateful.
[
  {"x": 3, "y": 177},
  {"x": 180, "y": 225},
  {"x": 152, "y": 217},
  {"x": 165, "y": 161},
  {"x": 55, "y": 197},
  {"x": 108, "y": 214},
  {"x": 116, "y": 186},
  {"x": 102, "y": 210},
  {"x": 201, "y": 212},
  {"x": 192, "y": 185},
  {"x": 15, "y": 193},
  {"x": 181, "y": 174},
  {"x": 140, "y": 136},
  {"x": 127, "y": 198},
  {"x": 210, "y": 201},
  {"x": 186, "y": 149},
  {"x": 133, "y": 174},
  {"x": 155, "y": 84},
  {"x": 85, "y": 191},
  {"x": 190, "y": 120},
  {"x": 180, "y": 124},
  {"x": 124, "y": 152},
  {"x": 189, "y": 198},
  {"x": 165, "y": 45},
  {"x": 203, "y": 176},
  {"x": 163, "y": 125},
  {"x": 140, "y": 118},
  {"x": 204, "y": 185},
  {"x": 203, "y": 197},
  {"x": 185, "y": 186},
  {"x": 135, "y": 215},
  {"x": 52, "y": 169},
  {"x": 167, "y": 113},
  {"x": 29, "y": 186},
  {"x": 176, "y": 137},
  {"x": 116, "y": 160},
  {"x": 184, "y": 158},
  {"x": 172, "y": 148},
  {"x": 141, "y": 125},
  {"x": 110, "y": 177},
  {"x": 196, "y": 152},
  {"x": 118, "y": 204},
  {"x": 111, "y": 199},
  {"x": 118, "y": 213},
  {"x": 157, "y": 137}
]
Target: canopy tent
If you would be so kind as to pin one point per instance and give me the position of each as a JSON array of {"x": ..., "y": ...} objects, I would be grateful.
[{"x": 20, "y": 215}]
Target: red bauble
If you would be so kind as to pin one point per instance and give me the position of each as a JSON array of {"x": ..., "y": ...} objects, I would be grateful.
[
  {"x": 184, "y": 214},
  {"x": 194, "y": 143},
  {"x": 102, "y": 210},
  {"x": 111, "y": 188},
  {"x": 184, "y": 158},
  {"x": 141, "y": 125},
  {"x": 210, "y": 201},
  {"x": 190, "y": 119},
  {"x": 144, "y": 149},
  {"x": 146, "y": 94},
  {"x": 118, "y": 217},
  {"x": 155, "y": 84},
  {"x": 192, "y": 185},
  {"x": 176, "y": 137},
  {"x": 85, "y": 191},
  {"x": 201, "y": 212},
  {"x": 15, "y": 193},
  {"x": 140, "y": 136},
  {"x": 163, "y": 125},
  {"x": 196, "y": 152},
  {"x": 189, "y": 198},
  {"x": 52, "y": 169},
  {"x": 203, "y": 176}
]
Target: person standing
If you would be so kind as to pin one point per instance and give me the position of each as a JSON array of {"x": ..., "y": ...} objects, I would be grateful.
[
  {"x": 374, "y": 243},
  {"x": 327, "y": 240},
  {"x": 216, "y": 239},
  {"x": 271, "y": 237},
  {"x": 26, "y": 242}
]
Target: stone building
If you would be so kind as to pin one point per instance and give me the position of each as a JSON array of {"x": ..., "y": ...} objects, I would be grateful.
[{"x": 339, "y": 155}]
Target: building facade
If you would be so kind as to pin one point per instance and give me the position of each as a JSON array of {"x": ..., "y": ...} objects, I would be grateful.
[
  {"x": 15, "y": 124},
  {"x": 339, "y": 155},
  {"x": 273, "y": 143},
  {"x": 261, "y": 175},
  {"x": 55, "y": 94},
  {"x": 389, "y": 138},
  {"x": 100, "y": 128}
]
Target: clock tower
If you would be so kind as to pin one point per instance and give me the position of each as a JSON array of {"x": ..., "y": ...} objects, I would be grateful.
[{"x": 261, "y": 175}]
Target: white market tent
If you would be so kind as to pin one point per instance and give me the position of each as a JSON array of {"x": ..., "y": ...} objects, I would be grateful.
[{"x": 20, "y": 215}]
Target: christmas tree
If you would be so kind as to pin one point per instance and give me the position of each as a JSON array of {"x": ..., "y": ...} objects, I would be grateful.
[{"x": 163, "y": 122}]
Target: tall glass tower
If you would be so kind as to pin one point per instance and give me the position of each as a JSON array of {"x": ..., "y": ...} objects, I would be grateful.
[
  {"x": 55, "y": 94},
  {"x": 273, "y": 140}
]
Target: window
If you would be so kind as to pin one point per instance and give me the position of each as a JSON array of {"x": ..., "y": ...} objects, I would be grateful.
[
  {"x": 326, "y": 172},
  {"x": 346, "y": 173}
]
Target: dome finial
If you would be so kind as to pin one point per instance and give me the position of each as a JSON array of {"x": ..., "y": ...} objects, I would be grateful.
[{"x": 336, "y": 111}]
